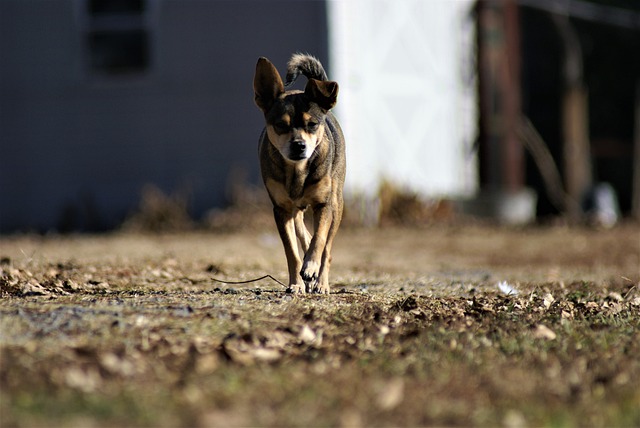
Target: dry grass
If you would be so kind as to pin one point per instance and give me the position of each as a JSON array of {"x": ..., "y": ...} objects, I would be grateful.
[{"x": 130, "y": 329}]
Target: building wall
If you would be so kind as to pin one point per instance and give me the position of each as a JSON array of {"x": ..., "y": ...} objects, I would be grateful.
[{"x": 79, "y": 140}]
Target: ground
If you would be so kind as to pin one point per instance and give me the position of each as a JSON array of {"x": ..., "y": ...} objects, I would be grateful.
[{"x": 439, "y": 325}]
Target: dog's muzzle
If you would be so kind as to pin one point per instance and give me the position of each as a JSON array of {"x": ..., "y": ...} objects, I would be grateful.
[{"x": 297, "y": 150}]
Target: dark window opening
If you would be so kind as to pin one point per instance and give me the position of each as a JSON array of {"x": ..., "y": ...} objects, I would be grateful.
[
  {"x": 97, "y": 7},
  {"x": 117, "y": 37}
]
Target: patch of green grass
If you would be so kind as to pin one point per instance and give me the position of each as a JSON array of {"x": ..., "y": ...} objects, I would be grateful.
[{"x": 131, "y": 408}]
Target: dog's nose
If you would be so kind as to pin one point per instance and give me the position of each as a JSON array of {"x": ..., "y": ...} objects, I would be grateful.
[{"x": 298, "y": 148}]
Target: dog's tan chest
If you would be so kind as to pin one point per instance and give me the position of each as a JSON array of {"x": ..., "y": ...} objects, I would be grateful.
[{"x": 296, "y": 194}]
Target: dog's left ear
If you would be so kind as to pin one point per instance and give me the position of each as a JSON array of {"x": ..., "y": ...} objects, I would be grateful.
[
  {"x": 323, "y": 93},
  {"x": 267, "y": 84}
]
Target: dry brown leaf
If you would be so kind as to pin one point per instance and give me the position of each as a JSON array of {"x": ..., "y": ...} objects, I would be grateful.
[
  {"x": 306, "y": 335},
  {"x": 548, "y": 300},
  {"x": 391, "y": 394},
  {"x": 33, "y": 288},
  {"x": 543, "y": 332}
]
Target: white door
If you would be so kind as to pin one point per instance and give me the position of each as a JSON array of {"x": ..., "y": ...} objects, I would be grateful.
[{"x": 407, "y": 99}]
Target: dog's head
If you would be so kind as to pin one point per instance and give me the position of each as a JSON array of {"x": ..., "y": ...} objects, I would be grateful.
[{"x": 294, "y": 119}]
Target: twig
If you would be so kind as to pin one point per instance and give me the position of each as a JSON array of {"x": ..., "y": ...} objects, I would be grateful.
[{"x": 248, "y": 281}]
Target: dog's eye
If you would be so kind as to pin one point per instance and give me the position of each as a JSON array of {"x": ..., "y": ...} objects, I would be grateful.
[
  {"x": 312, "y": 126},
  {"x": 281, "y": 127}
]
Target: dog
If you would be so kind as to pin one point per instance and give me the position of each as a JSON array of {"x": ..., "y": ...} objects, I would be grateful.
[{"x": 302, "y": 160}]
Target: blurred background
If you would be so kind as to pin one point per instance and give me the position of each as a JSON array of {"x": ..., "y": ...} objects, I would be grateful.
[{"x": 516, "y": 110}]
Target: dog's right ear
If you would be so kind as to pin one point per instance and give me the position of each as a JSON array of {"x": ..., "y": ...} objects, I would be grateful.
[
  {"x": 267, "y": 84},
  {"x": 323, "y": 92}
]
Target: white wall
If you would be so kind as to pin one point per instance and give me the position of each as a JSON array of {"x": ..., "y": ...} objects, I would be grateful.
[{"x": 407, "y": 98}]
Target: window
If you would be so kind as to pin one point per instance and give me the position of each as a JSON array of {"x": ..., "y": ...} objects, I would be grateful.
[{"x": 117, "y": 37}]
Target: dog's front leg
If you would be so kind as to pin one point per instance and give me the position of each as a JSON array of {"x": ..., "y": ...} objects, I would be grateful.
[
  {"x": 312, "y": 267},
  {"x": 285, "y": 221},
  {"x": 301, "y": 231}
]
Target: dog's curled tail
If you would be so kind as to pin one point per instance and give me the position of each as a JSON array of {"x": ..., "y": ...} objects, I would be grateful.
[{"x": 304, "y": 64}]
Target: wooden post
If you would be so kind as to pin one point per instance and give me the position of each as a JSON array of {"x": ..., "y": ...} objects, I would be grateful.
[
  {"x": 577, "y": 154},
  {"x": 490, "y": 40},
  {"x": 499, "y": 59},
  {"x": 575, "y": 122},
  {"x": 512, "y": 149},
  {"x": 635, "y": 189}
]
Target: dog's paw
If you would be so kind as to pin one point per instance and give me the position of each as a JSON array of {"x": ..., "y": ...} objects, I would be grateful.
[
  {"x": 321, "y": 289},
  {"x": 310, "y": 271},
  {"x": 296, "y": 289}
]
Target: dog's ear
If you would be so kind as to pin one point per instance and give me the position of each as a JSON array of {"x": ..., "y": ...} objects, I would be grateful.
[
  {"x": 267, "y": 84},
  {"x": 323, "y": 93}
]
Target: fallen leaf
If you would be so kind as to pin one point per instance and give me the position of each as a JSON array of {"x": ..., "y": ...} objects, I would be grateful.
[
  {"x": 306, "y": 335},
  {"x": 391, "y": 394},
  {"x": 116, "y": 365},
  {"x": 615, "y": 296},
  {"x": 548, "y": 300},
  {"x": 86, "y": 381},
  {"x": 70, "y": 285},
  {"x": 567, "y": 315},
  {"x": 266, "y": 355},
  {"x": 248, "y": 350},
  {"x": 514, "y": 419},
  {"x": 32, "y": 288},
  {"x": 543, "y": 332},
  {"x": 207, "y": 364}
]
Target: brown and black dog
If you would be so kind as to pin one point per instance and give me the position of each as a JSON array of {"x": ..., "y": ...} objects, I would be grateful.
[{"x": 302, "y": 158}]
